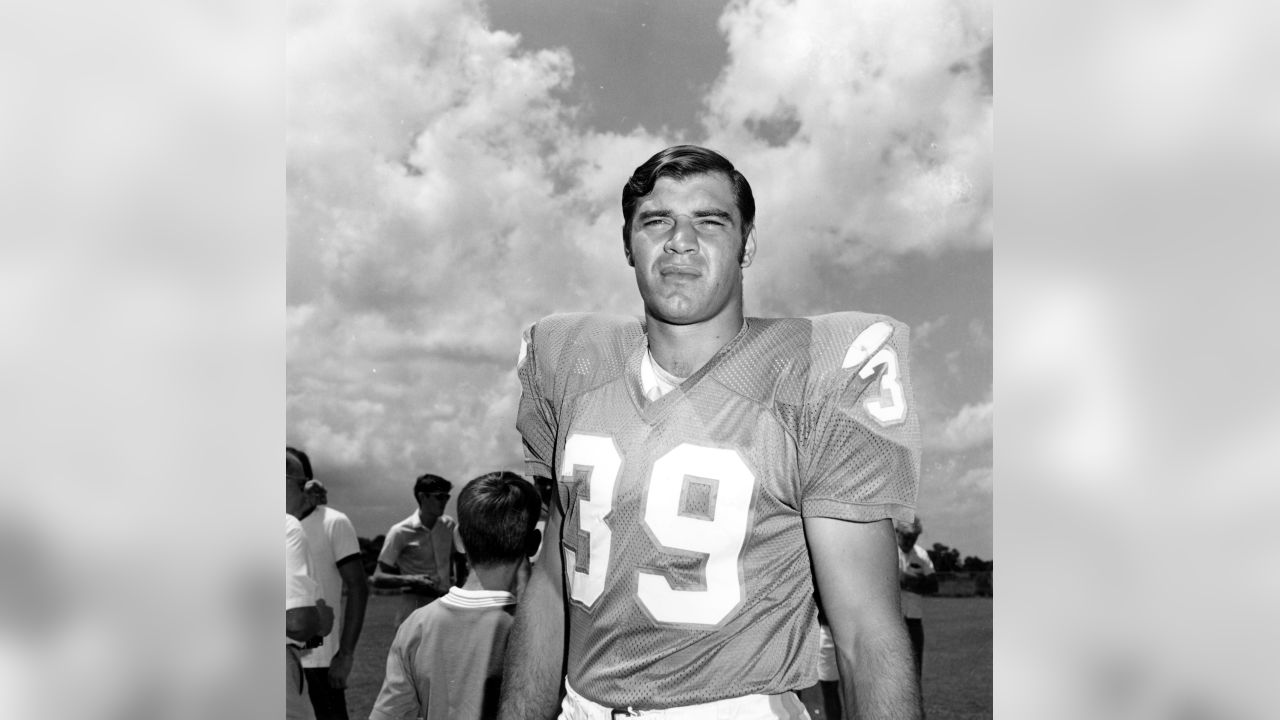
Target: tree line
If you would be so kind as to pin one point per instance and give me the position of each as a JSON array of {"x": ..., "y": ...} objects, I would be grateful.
[{"x": 945, "y": 559}]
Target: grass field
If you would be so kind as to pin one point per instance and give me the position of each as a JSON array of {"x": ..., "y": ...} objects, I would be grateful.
[{"x": 957, "y": 658}]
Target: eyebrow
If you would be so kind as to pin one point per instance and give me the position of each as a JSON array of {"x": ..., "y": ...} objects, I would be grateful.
[
  {"x": 713, "y": 213},
  {"x": 647, "y": 214}
]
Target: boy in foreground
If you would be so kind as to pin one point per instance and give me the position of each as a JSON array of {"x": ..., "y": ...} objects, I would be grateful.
[{"x": 446, "y": 659}]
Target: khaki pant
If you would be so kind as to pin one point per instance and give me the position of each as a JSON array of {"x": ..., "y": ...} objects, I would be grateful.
[{"x": 297, "y": 705}]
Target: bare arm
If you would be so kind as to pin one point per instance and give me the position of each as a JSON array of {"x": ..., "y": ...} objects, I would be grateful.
[
  {"x": 920, "y": 583},
  {"x": 857, "y": 573},
  {"x": 389, "y": 576},
  {"x": 534, "y": 671},
  {"x": 357, "y": 591}
]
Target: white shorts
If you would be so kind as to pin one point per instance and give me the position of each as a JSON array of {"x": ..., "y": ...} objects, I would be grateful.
[
  {"x": 784, "y": 706},
  {"x": 828, "y": 671}
]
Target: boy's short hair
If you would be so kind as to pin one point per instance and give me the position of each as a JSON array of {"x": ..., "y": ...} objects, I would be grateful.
[{"x": 497, "y": 514}]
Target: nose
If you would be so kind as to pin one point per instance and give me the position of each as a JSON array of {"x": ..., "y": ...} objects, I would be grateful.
[{"x": 684, "y": 238}]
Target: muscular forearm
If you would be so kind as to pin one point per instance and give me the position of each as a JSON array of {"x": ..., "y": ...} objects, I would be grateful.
[
  {"x": 534, "y": 667},
  {"x": 882, "y": 680}
]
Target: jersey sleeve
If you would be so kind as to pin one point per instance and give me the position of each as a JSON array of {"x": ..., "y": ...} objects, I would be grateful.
[
  {"x": 535, "y": 419},
  {"x": 860, "y": 436}
]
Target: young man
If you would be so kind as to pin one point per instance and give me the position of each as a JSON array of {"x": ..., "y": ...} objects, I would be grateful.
[
  {"x": 702, "y": 459},
  {"x": 337, "y": 565},
  {"x": 446, "y": 659},
  {"x": 420, "y": 551}
]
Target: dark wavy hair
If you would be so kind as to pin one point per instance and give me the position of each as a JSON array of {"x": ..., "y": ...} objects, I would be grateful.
[
  {"x": 429, "y": 483},
  {"x": 679, "y": 162}
]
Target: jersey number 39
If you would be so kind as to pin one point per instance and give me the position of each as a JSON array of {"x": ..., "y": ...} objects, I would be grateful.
[{"x": 719, "y": 531}]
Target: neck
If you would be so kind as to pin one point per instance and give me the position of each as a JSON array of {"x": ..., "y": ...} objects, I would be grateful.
[
  {"x": 492, "y": 577},
  {"x": 682, "y": 349},
  {"x": 428, "y": 520}
]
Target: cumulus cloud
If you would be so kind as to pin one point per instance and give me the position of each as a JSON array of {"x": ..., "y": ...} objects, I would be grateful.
[
  {"x": 866, "y": 128},
  {"x": 969, "y": 428},
  {"x": 438, "y": 200},
  {"x": 442, "y": 194}
]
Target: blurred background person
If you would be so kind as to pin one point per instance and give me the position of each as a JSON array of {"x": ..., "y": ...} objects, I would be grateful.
[
  {"x": 337, "y": 566},
  {"x": 306, "y": 616},
  {"x": 420, "y": 552},
  {"x": 316, "y": 492},
  {"x": 446, "y": 659},
  {"x": 915, "y": 578}
]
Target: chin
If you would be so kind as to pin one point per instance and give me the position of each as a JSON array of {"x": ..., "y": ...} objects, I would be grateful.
[{"x": 677, "y": 318}]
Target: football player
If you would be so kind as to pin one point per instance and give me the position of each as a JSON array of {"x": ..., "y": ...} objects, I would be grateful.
[{"x": 708, "y": 468}]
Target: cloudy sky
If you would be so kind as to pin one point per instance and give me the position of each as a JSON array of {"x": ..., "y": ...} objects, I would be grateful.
[{"x": 454, "y": 169}]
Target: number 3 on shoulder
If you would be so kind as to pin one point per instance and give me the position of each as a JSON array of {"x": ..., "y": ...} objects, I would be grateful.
[{"x": 889, "y": 405}]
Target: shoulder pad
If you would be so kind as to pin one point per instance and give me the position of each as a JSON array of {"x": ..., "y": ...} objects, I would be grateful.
[
  {"x": 579, "y": 343},
  {"x": 846, "y": 341}
]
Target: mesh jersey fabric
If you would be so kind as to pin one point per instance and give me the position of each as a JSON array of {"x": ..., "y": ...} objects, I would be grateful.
[{"x": 688, "y": 574}]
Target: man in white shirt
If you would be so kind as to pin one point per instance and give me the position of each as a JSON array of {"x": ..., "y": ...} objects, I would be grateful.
[
  {"x": 337, "y": 565},
  {"x": 915, "y": 578},
  {"x": 420, "y": 551},
  {"x": 306, "y": 616}
]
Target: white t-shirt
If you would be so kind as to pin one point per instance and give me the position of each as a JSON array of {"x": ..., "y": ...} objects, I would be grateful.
[
  {"x": 330, "y": 538},
  {"x": 300, "y": 590},
  {"x": 912, "y": 604}
]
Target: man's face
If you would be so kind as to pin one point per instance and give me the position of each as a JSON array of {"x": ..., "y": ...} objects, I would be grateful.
[
  {"x": 431, "y": 504},
  {"x": 686, "y": 237},
  {"x": 295, "y": 499}
]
